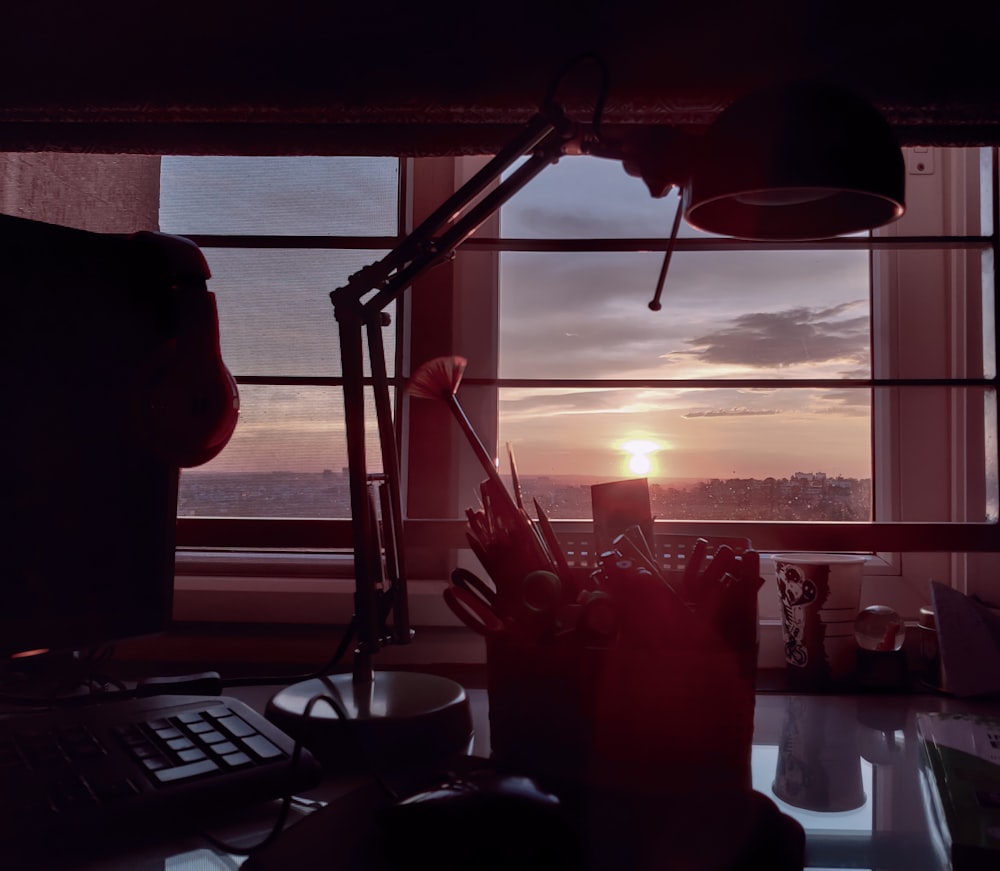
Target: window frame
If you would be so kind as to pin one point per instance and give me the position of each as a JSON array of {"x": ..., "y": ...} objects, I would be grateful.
[
  {"x": 952, "y": 551},
  {"x": 947, "y": 549}
]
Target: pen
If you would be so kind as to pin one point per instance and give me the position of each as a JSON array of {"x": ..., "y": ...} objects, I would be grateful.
[{"x": 691, "y": 568}]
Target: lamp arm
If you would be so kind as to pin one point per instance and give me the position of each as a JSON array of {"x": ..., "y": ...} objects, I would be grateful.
[
  {"x": 538, "y": 127},
  {"x": 421, "y": 244},
  {"x": 392, "y": 515},
  {"x": 348, "y": 314},
  {"x": 438, "y": 249},
  {"x": 545, "y": 137}
]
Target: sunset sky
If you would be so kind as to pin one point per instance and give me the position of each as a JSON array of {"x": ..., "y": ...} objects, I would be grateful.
[
  {"x": 565, "y": 315},
  {"x": 724, "y": 315}
]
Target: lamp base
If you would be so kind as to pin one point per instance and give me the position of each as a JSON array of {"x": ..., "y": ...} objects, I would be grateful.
[{"x": 398, "y": 720}]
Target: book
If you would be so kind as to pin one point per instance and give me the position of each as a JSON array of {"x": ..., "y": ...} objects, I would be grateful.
[{"x": 960, "y": 778}]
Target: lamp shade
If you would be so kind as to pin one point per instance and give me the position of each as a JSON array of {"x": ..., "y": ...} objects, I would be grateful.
[{"x": 797, "y": 161}]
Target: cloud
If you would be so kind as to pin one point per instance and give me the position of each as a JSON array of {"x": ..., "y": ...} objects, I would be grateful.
[
  {"x": 779, "y": 339},
  {"x": 540, "y": 221},
  {"x": 844, "y": 403},
  {"x": 720, "y": 310},
  {"x": 731, "y": 412}
]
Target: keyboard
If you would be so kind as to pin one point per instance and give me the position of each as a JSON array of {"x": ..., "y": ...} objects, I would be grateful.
[{"x": 107, "y": 766}]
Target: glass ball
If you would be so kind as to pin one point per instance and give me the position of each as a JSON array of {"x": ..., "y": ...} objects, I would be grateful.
[{"x": 879, "y": 627}]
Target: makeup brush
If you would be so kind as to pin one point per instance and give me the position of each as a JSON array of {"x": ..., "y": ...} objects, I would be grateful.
[
  {"x": 439, "y": 379},
  {"x": 513, "y": 545}
]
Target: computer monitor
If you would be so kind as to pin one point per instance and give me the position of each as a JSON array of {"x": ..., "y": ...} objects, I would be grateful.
[{"x": 87, "y": 511}]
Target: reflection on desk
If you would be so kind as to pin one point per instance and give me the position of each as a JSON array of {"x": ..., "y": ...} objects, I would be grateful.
[{"x": 845, "y": 767}]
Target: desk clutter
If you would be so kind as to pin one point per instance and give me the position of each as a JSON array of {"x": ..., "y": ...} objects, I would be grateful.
[
  {"x": 80, "y": 777},
  {"x": 588, "y": 667},
  {"x": 624, "y": 686}
]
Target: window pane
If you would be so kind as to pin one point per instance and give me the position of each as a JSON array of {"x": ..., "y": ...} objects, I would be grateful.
[
  {"x": 275, "y": 313},
  {"x": 934, "y": 314},
  {"x": 946, "y": 437},
  {"x": 737, "y": 314},
  {"x": 788, "y": 454},
  {"x": 584, "y": 197},
  {"x": 350, "y": 196},
  {"x": 287, "y": 458}
]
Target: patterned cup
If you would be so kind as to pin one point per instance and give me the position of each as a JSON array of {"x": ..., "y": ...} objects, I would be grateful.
[{"x": 819, "y": 596}]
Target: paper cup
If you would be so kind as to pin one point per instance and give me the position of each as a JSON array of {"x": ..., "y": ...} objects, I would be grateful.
[
  {"x": 819, "y": 596},
  {"x": 819, "y": 763}
]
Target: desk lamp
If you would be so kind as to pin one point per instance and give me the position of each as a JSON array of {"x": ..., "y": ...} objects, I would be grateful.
[{"x": 793, "y": 162}]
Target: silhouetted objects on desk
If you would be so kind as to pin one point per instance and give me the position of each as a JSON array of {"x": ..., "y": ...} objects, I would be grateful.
[
  {"x": 968, "y": 636},
  {"x": 399, "y": 720},
  {"x": 730, "y": 831},
  {"x": 881, "y": 660},
  {"x": 626, "y": 690},
  {"x": 619, "y": 505},
  {"x": 81, "y": 778},
  {"x": 633, "y": 682},
  {"x": 819, "y": 596},
  {"x": 483, "y": 820},
  {"x": 111, "y": 378},
  {"x": 929, "y": 669},
  {"x": 496, "y": 820}
]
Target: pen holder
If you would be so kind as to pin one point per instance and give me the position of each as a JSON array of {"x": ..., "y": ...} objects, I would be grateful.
[{"x": 663, "y": 720}]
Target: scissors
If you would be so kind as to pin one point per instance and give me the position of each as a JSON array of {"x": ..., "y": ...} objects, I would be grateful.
[
  {"x": 466, "y": 580},
  {"x": 474, "y": 612}
]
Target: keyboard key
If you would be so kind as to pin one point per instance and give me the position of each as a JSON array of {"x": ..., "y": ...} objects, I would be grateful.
[
  {"x": 200, "y": 727},
  {"x": 235, "y": 760},
  {"x": 262, "y": 747},
  {"x": 186, "y": 772},
  {"x": 192, "y": 755},
  {"x": 168, "y": 733},
  {"x": 235, "y": 726},
  {"x": 223, "y": 748},
  {"x": 180, "y": 744},
  {"x": 212, "y": 737}
]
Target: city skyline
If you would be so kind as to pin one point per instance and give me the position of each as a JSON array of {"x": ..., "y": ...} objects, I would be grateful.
[{"x": 799, "y": 496}]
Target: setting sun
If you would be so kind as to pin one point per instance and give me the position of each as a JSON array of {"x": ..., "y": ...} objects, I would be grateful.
[{"x": 639, "y": 460}]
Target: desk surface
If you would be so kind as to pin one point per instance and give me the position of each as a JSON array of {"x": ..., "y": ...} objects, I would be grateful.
[{"x": 845, "y": 767}]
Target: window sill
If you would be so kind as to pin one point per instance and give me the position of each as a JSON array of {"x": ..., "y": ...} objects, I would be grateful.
[{"x": 297, "y": 600}]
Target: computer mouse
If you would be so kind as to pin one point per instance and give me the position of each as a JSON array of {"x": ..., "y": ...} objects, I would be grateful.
[{"x": 485, "y": 820}]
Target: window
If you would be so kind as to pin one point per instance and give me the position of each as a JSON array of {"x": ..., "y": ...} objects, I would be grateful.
[
  {"x": 693, "y": 393},
  {"x": 875, "y": 354},
  {"x": 796, "y": 387},
  {"x": 279, "y": 234}
]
